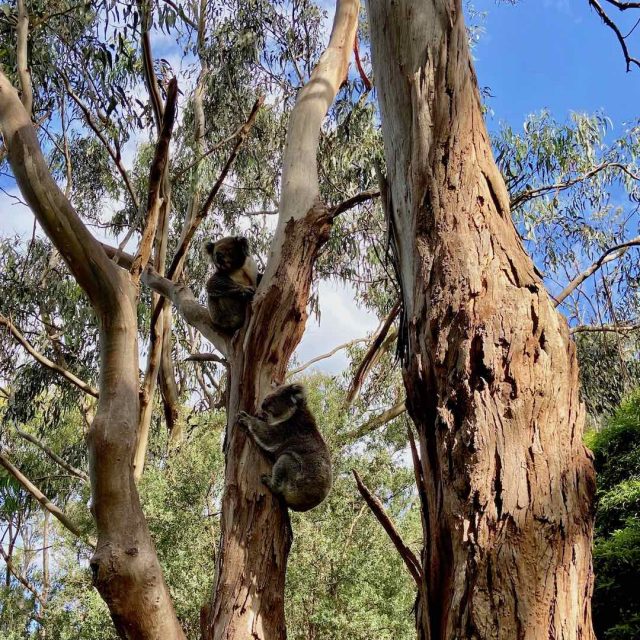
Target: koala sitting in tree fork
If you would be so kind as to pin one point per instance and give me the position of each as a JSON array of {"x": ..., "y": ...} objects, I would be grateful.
[
  {"x": 286, "y": 430},
  {"x": 231, "y": 287}
]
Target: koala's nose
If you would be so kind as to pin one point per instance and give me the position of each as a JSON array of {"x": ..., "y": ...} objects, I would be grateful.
[{"x": 261, "y": 415}]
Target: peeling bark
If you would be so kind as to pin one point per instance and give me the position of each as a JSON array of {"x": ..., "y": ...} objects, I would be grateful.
[
  {"x": 490, "y": 371},
  {"x": 248, "y": 599}
]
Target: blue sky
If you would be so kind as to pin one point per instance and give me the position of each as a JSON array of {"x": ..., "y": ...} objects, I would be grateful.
[{"x": 554, "y": 54}]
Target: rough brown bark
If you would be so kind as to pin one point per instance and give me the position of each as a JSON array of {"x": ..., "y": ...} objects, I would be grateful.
[
  {"x": 490, "y": 371},
  {"x": 248, "y": 599}
]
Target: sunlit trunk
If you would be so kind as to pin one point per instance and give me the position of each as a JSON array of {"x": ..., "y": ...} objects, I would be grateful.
[{"x": 490, "y": 371}]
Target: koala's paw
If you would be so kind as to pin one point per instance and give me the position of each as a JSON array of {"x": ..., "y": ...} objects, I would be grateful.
[
  {"x": 266, "y": 480},
  {"x": 244, "y": 419}
]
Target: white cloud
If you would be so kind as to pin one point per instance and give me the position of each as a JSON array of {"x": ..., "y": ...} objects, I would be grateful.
[{"x": 340, "y": 321}]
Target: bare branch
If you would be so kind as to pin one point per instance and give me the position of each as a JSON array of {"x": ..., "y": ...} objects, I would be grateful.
[
  {"x": 150, "y": 78},
  {"x": 22, "y": 34},
  {"x": 605, "y": 328},
  {"x": 156, "y": 174},
  {"x": 67, "y": 375},
  {"x": 614, "y": 27},
  {"x": 408, "y": 556},
  {"x": 372, "y": 355},
  {"x": 608, "y": 256},
  {"x": 178, "y": 259},
  {"x": 623, "y": 6},
  {"x": 354, "y": 201},
  {"x": 324, "y": 356},
  {"x": 44, "y": 501},
  {"x": 529, "y": 194},
  {"x": 54, "y": 456},
  {"x": 376, "y": 422},
  {"x": 113, "y": 153},
  {"x": 182, "y": 297}
]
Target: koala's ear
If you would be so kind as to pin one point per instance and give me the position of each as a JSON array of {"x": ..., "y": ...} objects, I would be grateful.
[
  {"x": 298, "y": 394},
  {"x": 244, "y": 244}
]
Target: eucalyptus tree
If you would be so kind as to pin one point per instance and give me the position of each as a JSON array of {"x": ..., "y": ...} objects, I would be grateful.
[
  {"x": 84, "y": 62},
  {"x": 507, "y": 485}
]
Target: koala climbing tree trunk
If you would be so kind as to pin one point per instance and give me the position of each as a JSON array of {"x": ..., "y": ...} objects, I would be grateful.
[
  {"x": 248, "y": 598},
  {"x": 489, "y": 369}
]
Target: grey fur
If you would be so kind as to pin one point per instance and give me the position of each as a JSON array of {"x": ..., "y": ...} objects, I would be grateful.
[{"x": 287, "y": 432}]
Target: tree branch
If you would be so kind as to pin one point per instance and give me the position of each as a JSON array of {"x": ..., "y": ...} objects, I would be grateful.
[
  {"x": 612, "y": 25},
  {"x": 22, "y": 35},
  {"x": 150, "y": 78},
  {"x": 376, "y": 422},
  {"x": 529, "y": 194},
  {"x": 605, "y": 328},
  {"x": 408, "y": 556},
  {"x": 19, "y": 577},
  {"x": 372, "y": 355},
  {"x": 324, "y": 356},
  {"x": 54, "y": 456},
  {"x": 44, "y": 501},
  {"x": 178, "y": 259},
  {"x": 156, "y": 175},
  {"x": 113, "y": 153},
  {"x": 354, "y": 201},
  {"x": 608, "y": 256},
  {"x": 206, "y": 357},
  {"x": 94, "y": 272},
  {"x": 67, "y": 375},
  {"x": 182, "y": 297}
]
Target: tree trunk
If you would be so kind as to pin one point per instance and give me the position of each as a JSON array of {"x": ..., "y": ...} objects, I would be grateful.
[
  {"x": 248, "y": 599},
  {"x": 125, "y": 567},
  {"x": 490, "y": 371}
]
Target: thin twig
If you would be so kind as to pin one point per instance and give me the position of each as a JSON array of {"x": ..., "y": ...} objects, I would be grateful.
[
  {"x": 202, "y": 214},
  {"x": 376, "y": 422},
  {"x": 83, "y": 386},
  {"x": 324, "y": 356},
  {"x": 19, "y": 577},
  {"x": 612, "y": 25}
]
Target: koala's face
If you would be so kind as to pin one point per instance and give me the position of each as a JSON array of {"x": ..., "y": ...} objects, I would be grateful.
[
  {"x": 280, "y": 405},
  {"x": 228, "y": 254}
]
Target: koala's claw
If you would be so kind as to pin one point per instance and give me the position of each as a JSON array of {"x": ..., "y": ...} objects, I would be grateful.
[
  {"x": 243, "y": 418},
  {"x": 266, "y": 480}
]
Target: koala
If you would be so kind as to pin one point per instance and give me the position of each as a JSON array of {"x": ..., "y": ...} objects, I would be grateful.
[
  {"x": 231, "y": 287},
  {"x": 286, "y": 430}
]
